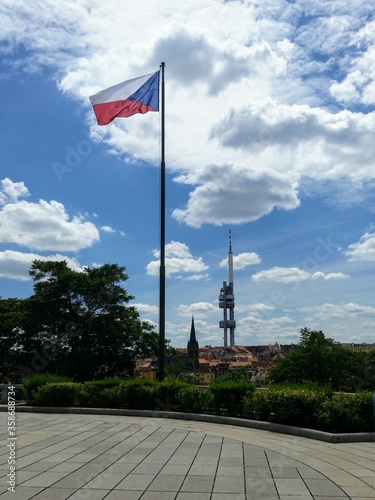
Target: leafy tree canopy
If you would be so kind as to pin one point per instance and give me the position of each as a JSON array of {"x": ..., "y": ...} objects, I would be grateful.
[
  {"x": 76, "y": 323},
  {"x": 318, "y": 359}
]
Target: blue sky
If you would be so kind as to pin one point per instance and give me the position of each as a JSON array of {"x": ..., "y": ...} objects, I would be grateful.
[{"x": 270, "y": 133}]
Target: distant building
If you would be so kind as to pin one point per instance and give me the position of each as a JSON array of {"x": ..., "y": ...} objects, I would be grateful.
[
  {"x": 357, "y": 347},
  {"x": 193, "y": 349}
]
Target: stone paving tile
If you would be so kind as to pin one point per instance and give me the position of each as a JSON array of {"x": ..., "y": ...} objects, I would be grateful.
[
  {"x": 119, "y": 495},
  {"x": 44, "y": 479},
  {"x": 104, "y": 481},
  {"x": 260, "y": 486},
  {"x": 90, "y": 495},
  {"x": 323, "y": 487},
  {"x": 22, "y": 492},
  {"x": 291, "y": 487},
  {"x": 193, "y": 496},
  {"x": 228, "y": 485},
  {"x": 135, "y": 482},
  {"x": 359, "y": 491},
  {"x": 285, "y": 472},
  {"x": 228, "y": 496},
  {"x": 304, "y": 497},
  {"x": 166, "y": 483},
  {"x": 307, "y": 473},
  {"x": 203, "y": 460},
  {"x": 270, "y": 497},
  {"x": 173, "y": 469},
  {"x": 66, "y": 467},
  {"x": 58, "y": 494},
  {"x": 232, "y": 461},
  {"x": 257, "y": 472},
  {"x": 202, "y": 470},
  {"x": 202, "y": 484},
  {"x": 231, "y": 471},
  {"x": 158, "y": 495},
  {"x": 147, "y": 468},
  {"x": 180, "y": 460}
]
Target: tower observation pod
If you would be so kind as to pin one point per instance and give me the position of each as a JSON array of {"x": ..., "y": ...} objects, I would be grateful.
[{"x": 226, "y": 301}]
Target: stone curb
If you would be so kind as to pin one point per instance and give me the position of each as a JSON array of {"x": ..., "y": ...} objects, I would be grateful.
[{"x": 217, "y": 419}]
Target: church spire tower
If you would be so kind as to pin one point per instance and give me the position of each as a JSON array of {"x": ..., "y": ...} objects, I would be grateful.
[{"x": 193, "y": 348}]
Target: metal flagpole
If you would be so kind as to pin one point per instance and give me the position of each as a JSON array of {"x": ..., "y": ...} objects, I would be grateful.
[{"x": 162, "y": 236}]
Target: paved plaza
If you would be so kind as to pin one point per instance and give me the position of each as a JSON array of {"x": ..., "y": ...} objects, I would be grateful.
[{"x": 91, "y": 457}]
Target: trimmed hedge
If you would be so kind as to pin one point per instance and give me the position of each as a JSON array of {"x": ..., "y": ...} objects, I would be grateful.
[
  {"x": 58, "y": 394},
  {"x": 347, "y": 413},
  {"x": 229, "y": 397},
  {"x": 285, "y": 406},
  {"x": 310, "y": 407},
  {"x": 31, "y": 385}
]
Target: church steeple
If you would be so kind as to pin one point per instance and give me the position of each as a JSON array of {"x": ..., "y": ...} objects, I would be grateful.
[
  {"x": 192, "y": 331},
  {"x": 193, "y": 348}
]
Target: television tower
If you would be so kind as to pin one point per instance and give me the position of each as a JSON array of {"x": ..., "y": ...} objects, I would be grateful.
[{"x": 226, "y": 301}]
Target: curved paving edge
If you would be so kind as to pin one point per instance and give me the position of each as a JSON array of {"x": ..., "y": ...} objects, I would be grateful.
[{"x": 239, "y": 422}]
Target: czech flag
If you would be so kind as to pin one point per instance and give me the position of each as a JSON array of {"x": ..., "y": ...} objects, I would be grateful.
[{"x": 138, "y": 95}]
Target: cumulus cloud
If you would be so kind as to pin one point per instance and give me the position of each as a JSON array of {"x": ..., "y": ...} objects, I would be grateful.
[
  {"x": 235, "y": 194},
  {"x": 16, "y": 265},
  {"x": 11, "y": 191},
  {"x": 258, "y": 307},
  {"x": 242, "y": 260},
  {"x": 145, "y": 308},
  {"x": 364, "y": 249},
  {"x": 336, "y": 311},
  {"x": 108, "y": 229},
  {"x": 198, "y": 309},
  {"x": 300, "y": 136},
  {"x": 252, "y": 70},
  {"x": 178, "y": 261},
  {"x": 43, "y": 225},
  {"x": 294, "y": 274}
]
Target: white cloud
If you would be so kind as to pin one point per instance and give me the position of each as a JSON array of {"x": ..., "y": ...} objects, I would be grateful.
[
  {"x": 242, "y": 260},
  {"x": 43, "y": 225},
  {"x": 364, "y": 249},
  {"x": 294, "y": 274},
  {"x": 108, "y": 229},
  {"x": 145, "y": 308},
  {"x": 11, "y": 191},
  {"x": 338, "y": 311},
  {"x": 298, "y": 137},
  {"x": 252, "y": 70},
  {"x": 178, "y": 261},
  {"x": 235, "y": 194},
  {"x": 198, "y": 309},
  {"x": 330, "y": 276},
  {"x": 16, "y": 265},
  {"x": 258, "y": 307}
]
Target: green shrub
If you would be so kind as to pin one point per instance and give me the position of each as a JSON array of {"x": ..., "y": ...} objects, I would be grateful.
[
  {"x": 105, "y": 382},
  {"x": 288, "y": 406},
  {"x": 31, "y": 384},
  {"x": 100, "y": 393},
  {"x": 229, "y": 397},
  {"x": 192, "y": 399},
  {"x": 347, "y": 413},
  {"x": 58, "y": 394},
  {"x": 167, "y": 394},
  {"x": 136, "y": 394}
]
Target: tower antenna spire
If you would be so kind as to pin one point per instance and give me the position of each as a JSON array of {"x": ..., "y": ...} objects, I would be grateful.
[{"x": 226, "y": 301}]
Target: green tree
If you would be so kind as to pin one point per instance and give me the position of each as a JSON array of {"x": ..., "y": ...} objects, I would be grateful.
[
  {"x": 78, "y": 323},
  {"x": 318, "y": 359}
]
